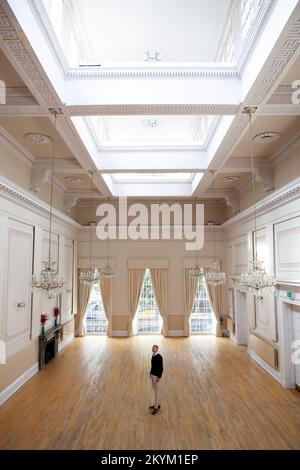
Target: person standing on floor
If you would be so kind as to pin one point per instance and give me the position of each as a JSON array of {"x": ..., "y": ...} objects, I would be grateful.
[{"x": 155, "y": 376}]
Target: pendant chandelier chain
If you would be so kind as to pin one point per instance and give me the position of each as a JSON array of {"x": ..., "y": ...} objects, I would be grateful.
[
  {"x": 52, "y": 186},
  {"x": 253, "y": 185}
]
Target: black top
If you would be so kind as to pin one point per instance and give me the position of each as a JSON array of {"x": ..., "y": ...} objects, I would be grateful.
[{"x": 157, "y": 365}]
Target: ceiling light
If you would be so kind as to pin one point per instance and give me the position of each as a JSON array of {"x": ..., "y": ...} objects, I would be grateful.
[
  {"x": 266, "y": 137},
  {"x": 256, "y": 279},
  {"x": 214, "y": 276},
  {"x": 152, "y": 56},
  {"x": 90, "y": 275},
  {"x": 228, "y": 179},
  {"x": 49, "y": 279},
  {"x": 37, "y": 138},
  {"x": 73, "y": 179},
  {"x": 151, "y": 123}
]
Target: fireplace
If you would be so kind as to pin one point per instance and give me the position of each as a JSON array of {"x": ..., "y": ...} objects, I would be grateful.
[{"x": 48, "y": 345}]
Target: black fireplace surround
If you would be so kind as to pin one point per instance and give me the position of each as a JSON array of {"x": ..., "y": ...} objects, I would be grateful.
[{"x": 48, "y": 345}]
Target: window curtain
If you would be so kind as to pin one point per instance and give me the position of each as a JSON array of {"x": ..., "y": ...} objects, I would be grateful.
[
  {"x": 105, "y": 289},
  {"x": 84, "y": 294},
  {"x": 214, "y": 294},
  {"x": 189, "y": 286},
  {"x": 136, "y": 279},
  {"x": 159, "y": 279}
]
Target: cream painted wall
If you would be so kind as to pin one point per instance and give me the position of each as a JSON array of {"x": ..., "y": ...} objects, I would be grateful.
[
  {"x": 283, "y": 172},
  {"x": 287, "y": 170},
  {"x": 18, "y": 364},
  {"x": 17, "y": 171},
  {"x": 214, "y": 212},
  {"x": 174, "y": 251},
  {"x": 19, "y": 331},
  {"x": 277, "y": 238}
]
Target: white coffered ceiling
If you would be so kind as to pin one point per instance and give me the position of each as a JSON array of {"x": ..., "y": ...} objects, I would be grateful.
[{"x": 150, "y": 128}]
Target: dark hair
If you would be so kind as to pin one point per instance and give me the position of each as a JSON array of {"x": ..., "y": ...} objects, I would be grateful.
[{"x": 155, "y": 346}]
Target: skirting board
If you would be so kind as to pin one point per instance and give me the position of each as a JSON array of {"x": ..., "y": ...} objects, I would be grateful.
[
  {"x": 276, "y": 375},
  {"x": 122, "y": 333},
  {"x": 28, "y": 374},
  {"x": 175, "y": 333},
  {"x": 18, "y": 383},
  {"x": 65, "y": 342}
]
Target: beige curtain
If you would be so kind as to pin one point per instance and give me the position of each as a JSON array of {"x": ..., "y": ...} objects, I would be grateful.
[
  {"x": 84, "y": 294},
  {"x": 214, "y": 294},
  {"x": 159, "y": 279},
  {"x": 136, "y": 279},
  {"x": 189, "y": 286},
  {"x": 106, "y": 294}
]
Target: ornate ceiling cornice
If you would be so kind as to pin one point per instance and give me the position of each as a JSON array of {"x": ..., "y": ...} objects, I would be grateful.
[
  {"x": 162, "y": 109},
  {"x": 22, "y": 197},
  {"x": 284, "y": 195},
  {"x": 146, "y": 73}
]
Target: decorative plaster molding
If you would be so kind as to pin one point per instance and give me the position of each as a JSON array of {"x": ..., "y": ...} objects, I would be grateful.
[
  {"x": 38, "y": 176},
  {"x": 286, "y": 194},
  {"x": 70, "y": 201},
  {"x": 232, "y": 200},
  {"x": 20, "y": 196},
  {"x": 280, "y": 109},
  {"x": 18, "y": 110},
  {"x": 264, "y": 176},
  {"x": 15, "y": 147},
  {"x": 144, "y": 109},
  {"x": 153, "y": 72}
]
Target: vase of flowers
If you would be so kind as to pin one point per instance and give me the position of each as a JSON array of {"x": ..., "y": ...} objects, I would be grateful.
[
  {"x": 56, "y": 313},
  {"x": 44, "y": 318}
]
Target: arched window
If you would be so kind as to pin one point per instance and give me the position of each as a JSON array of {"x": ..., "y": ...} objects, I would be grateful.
[
  {"x": 147, "y": 319},
  {"x": 202, "y": 319},
  {"x": 95, "y": 322}
]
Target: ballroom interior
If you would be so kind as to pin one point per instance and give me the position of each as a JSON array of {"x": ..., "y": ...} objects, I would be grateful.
[{"x": 149, "y": 194}]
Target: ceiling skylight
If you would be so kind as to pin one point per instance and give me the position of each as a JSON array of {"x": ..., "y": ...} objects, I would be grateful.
[
  {"x": 152, "y": 131},
  {"x": 141, "y": 33},
  {"x": 151, "y": 177}
]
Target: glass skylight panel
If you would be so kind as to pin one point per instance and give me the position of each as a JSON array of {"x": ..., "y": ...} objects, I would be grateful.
[
  {"x": 116, "y": 33},
  {"x": 151, "y": 177},
  {"x": 152, "y": 131}
]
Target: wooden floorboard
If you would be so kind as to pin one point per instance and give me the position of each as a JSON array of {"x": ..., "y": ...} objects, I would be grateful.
[{"x": 96, "y": 396}]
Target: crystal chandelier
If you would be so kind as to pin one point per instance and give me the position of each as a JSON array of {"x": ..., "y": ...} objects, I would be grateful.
[
  {"x": 49, "y": 279},
  {"x": 214, "y": 276},
  {"x": 256, "y": 279},
  {"x": 90, "y": 275},
  {"x": 108, "y": 271}
]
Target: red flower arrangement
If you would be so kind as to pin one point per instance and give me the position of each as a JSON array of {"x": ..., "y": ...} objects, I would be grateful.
[
  {"x": 44, "y": 318},
  {"x": 56, "y": 312}
]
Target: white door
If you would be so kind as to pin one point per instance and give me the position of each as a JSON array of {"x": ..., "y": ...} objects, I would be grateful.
[
  {"x": 241, "y": 317},
  {"x": 19, "y": 274},
  {"x": 296, "y": 329}
]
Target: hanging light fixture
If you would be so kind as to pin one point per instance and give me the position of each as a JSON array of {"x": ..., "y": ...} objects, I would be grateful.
[
  {"x": 90, "y": 275},
  {"x": 197, "y": 270},
  {"x": 214, "y": 276},
  {"x": 256, "y": 279},
  {"x": 49, "y": 279},
  {"x": 108, "y": 271}
]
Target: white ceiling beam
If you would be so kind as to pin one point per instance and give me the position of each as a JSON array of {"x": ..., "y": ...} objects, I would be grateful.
[
  {"x": 243, "y": 164},
  {"x": 211, "y": 91},
  {"x": 61, "y": 166},
  {"x": 160, "y": 160}
]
